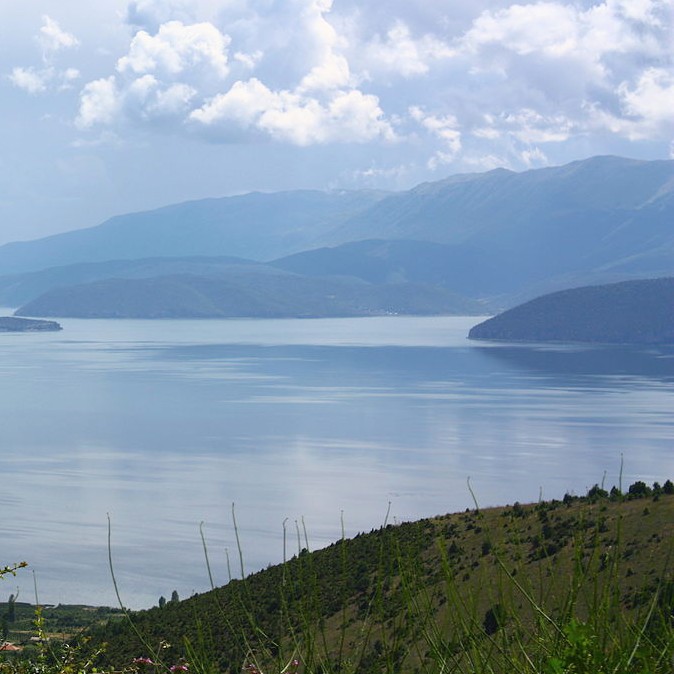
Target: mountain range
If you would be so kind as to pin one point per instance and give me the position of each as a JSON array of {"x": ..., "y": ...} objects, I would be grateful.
[{"x": 498, "y": 237}]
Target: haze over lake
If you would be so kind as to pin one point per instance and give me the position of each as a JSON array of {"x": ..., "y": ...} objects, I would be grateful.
[{"x": 164, "y": 424}]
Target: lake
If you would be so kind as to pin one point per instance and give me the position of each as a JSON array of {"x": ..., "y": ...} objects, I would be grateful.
[{"x": 162, "y": 425}]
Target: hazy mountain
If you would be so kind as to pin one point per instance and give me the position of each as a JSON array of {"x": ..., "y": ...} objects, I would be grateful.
[
  {"x": 244, "y": 294},
  {"x": 604, "y": 218},
  {"x": 378, "y": 261},
  {"x": 18, "y": 289},
  {"x": 631, "y": 312},
  {"x": 499, "y": 235},
  {"x": 258, "y": 226}
]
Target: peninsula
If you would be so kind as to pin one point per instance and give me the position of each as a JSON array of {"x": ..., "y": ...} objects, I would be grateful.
[{"x": 15, "y": 324}]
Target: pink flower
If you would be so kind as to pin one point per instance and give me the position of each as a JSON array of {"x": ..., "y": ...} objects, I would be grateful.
[{"x": 142, "y": 661}]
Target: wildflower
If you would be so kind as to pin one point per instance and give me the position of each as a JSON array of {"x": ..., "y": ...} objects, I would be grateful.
[
  {"x": 252, "y": 669},
  {"x": 176, "y": 669},
  {"x": 143, "y": 661}
]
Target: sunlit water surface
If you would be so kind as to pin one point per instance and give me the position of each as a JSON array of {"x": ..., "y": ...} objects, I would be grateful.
[{"x": 161, "y": 425}]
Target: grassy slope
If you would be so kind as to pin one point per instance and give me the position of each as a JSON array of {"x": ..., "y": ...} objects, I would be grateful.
[{"x": 502, "y": 589}]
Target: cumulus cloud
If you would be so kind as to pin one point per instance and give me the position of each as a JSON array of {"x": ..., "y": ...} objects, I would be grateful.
[
  {"x": 289, "y": 116},
  {"x": 177, "y": 48},
  {"x": 179, "y": 71},
  {"x": 504, "y": 80},
  {"x": 99, "y": 103},
  {"x": 29, "y": 79}
]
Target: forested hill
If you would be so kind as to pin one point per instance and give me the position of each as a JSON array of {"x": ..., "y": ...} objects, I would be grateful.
[{"x": 631, "y": 312}]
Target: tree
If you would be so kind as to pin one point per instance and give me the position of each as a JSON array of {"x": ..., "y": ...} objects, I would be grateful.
[
  {"x": 174, "y": 596},
  {"x": 11, "y": 608},
  {"x": 162, "y": 601},
  {"x": 639, "y": 490}
]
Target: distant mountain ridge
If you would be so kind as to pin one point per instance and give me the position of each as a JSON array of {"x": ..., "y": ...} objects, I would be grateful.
[
  {"x": 499, "y": 236},
  {"x": 257, "y": 226},
  {"x": 631, "y": 312}
]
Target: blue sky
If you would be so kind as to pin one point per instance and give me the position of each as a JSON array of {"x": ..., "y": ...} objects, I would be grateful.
[{"x": 116, "y": 106}]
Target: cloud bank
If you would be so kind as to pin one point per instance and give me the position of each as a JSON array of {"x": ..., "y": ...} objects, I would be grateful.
[{"x": 469, "y": 85}]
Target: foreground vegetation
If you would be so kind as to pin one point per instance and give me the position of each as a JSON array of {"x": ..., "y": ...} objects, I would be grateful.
[{"x": 578, "y": 585}]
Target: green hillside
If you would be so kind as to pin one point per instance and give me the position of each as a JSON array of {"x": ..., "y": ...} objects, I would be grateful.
[{"x": 578, "y": 585}]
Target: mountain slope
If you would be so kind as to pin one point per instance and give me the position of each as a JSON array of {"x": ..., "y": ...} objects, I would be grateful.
[
  {"x": 256, "y": 225},
  {"x": 631, "y": 312},
  {"x": 592, "y": 216}
]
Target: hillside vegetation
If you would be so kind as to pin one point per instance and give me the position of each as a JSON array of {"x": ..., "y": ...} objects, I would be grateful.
[{"x": 578, "y": 585}]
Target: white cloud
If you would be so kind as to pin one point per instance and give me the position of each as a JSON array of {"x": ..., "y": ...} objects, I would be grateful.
[
  {"x": 523, "y": 29},
  {"x": 446, "y": 129},
  {"x": 147, "y": 98},
  {"x": 100, "y": 103},
  {"x": 332, "y": 73},
  {"x": 642, "y": 11},
  {"x": 510, "y": 81},
  {"x": 242, "y": 104},
  {"x": 534, "y": 157},
  {"x": 531, "y": 127},
  {"x": 400, "y": 53},
  {"x": 176, "y": 48},
  {"x": 31, "y": 80},
  {"x": 248, "y": 61},
  {"x": 559, "y": 30},
  {"x": 293, "y": 117},
  {"x": 53, "y": 39},
  {"x": 68, "y": 76},
  {"x": 652, "y": 98},
  {"x": 39, "y": 80}
]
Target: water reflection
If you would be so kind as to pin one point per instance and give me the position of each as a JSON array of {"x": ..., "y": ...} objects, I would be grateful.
[
  {"x": 165, "y": 424},
  {"x": 604, "y": 360}
]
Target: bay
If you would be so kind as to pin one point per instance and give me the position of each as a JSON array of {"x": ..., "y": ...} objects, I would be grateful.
[{"x": 316, "y": 425}]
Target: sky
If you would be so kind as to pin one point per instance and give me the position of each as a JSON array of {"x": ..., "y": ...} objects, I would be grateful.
[{"x": 117, "y": 106}]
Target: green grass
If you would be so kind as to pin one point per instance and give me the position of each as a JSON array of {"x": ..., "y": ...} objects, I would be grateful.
[{"x": 558, "y": 587}]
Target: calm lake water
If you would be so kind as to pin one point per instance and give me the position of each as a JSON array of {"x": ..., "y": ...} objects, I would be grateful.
[{"x": 164, "y": 424}]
